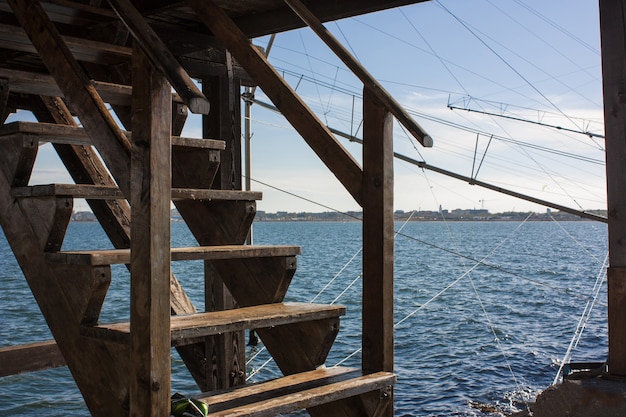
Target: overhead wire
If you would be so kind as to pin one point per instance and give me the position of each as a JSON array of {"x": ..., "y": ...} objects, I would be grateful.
[
  {"x": 519, "y": 74},
  {"x": 558, "y": 27}
]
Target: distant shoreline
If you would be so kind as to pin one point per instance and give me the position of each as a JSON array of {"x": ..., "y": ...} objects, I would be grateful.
[{"x": 399, "y": 215}]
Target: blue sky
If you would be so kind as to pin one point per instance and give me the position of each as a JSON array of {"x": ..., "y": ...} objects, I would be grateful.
[{"x": 530, "y": 59}]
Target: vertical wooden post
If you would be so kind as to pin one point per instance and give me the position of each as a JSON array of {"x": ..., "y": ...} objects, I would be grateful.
[
  {"x": 613, "y": 35},
  {"x": 224, "y": 122},
  {"x": 150, "y": 240},
  {"x": 377, "y": 236}
]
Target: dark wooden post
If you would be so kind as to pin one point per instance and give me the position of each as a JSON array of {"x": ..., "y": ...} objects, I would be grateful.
[
  {"x": 377, "y": 237},
  {"x": 613, "y": 35},
  {"x": 150, "y": 240},
  {"x": 224, "y": 122}
]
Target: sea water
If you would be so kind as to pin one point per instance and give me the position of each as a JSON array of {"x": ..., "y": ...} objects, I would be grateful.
[{"x": 484, "y": 311}]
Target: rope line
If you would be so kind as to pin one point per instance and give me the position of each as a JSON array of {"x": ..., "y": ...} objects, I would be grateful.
[{"x": 584, "y": 318}]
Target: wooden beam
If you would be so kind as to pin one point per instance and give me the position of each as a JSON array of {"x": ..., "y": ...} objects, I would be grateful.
[
  {"x": 314, "y": 132},
  {"x": 86, "y": 50},
  {"x": 377, "y": 236},
  {"x": 45, "y": 85},
  {"x": 150, "y": 240},
  {"x": 613, "y": 32},
  {"x": 84, "y": 100},
  {"x": 30, "y": 357},
  {"x": 161, "y": 56},
  {"x": 366, "y": 78}
]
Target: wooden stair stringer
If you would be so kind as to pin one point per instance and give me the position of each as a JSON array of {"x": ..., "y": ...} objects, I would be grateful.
[
  {"x": 18, "y": 158},
  {"x": 295, "y": 347},
  {"x": 255, "y": 281},
  {"x": 114, "y": 216},
  {"x": 218, "y": 222},
  {"x": 57, "y": 302}
]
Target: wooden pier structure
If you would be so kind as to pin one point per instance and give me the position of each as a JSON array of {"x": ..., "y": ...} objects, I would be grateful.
[{"x": 111, "y": 83}]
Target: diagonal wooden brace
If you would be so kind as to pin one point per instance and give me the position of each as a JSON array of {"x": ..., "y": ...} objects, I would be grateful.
[
  {"x": 312, "y": 130},
  {"x": 161, "y": 57}
]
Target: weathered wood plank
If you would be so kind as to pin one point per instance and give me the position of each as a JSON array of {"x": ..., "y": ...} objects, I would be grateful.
[
  {"x": 306, "y": 394},
  {"x": 122, "y": 256},
  {"x": 378, "y": 236},
  {"x": 104, "y": 192},
  {"x": 84, "y": 100},
  {"x": 612, "y": 30},
  {"x": 30, "y": 357},
  {"x": 161, "y": 56},
  {"x": 256, "y": 280},
  {"x": 283, "y": 385},
  {"x": 300, "y": 347},
  {"x": 57, "y": 133},
  {"x": 14, "y": 38},
  {"x": 187, "y": 329},
  {"x": 314, "y": 132},
  {"x": 90, "y": 191},
  {"x": 105, "y": 395},
  {"x": 45, "y": 85},
  {"x": 214, "y": 195},
  {"x": 150, "y": 241},
  {"x": 228, "y": 351},
  {"x": 357, "y": 69}
]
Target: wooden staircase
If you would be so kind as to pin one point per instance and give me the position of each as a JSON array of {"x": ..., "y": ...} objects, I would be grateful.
[
  {"x": 298, "y": 335},
  {"x": 130, "y": 181}
]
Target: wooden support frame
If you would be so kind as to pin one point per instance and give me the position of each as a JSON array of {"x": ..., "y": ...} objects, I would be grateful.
[
  {"x": 312, "y": 130},
  {"x": 77, "y": 88},
  {"x": 224, "y": 122},
  {"x": 613, "y": 30},
  {"x": 150, "y": 240},
  {"x": 161, "y": 56},
  {"x": 378, "y": 237}
]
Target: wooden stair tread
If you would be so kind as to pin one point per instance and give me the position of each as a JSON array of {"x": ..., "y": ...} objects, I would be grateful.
[
  {"x": 102, "y": 192},
  {"x": 295, "y": 392},
  {"x": 122, "y": 256},
  {"x": 35, "y": 83},
  {"x": 50, "y": 132},
  {"x": 186, "y": 329}
]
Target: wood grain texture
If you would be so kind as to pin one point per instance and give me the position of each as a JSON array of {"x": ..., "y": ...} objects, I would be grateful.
[
  {"x": 295, "y": 392},
  {"x": 161, "y": 57},
  {"x": 186, "y": 329},
  {"x": 30, "y": 357},
  {"x": 150, "y": 241},
  {"x": 378, "y": 238},
  {"x": 612, "y": 30},
  {"x": 77, "y": 88},
  {"x": 122, "y": 256}
]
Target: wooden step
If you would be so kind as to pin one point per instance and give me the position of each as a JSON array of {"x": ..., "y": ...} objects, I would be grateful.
[
  {"x": 34, "y": 83},
  {"x": 50, "y": 132},
  {"x": 295, "y": 392},
  {"x": 100, "y": 192},
  {"x": 188, "y": 329},
  {"x": 122, "y": 256}
]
